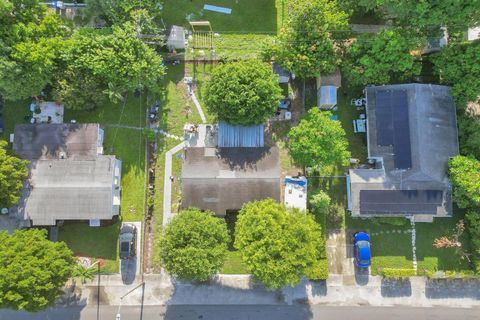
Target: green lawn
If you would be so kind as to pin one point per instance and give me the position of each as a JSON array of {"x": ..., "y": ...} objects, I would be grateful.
[
  {"x": 391, "y": 244},
  {"x": 100, "y": 243},
  {"x": 13, "y": 113},
  {"x": 233, "y": 263},
  {"x": 432, "y": 259},
  {"x": 247, "y": 15}
]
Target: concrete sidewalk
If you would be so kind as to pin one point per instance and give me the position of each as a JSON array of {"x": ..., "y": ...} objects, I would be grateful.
[{"x": 160, "y": 289}]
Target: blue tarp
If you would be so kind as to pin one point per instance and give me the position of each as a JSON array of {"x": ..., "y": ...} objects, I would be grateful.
[
  {"x": 240, "y": 136},
  {"x": 328, "y": 96},
  {"x": 301, "y": 182},
  {"x": 217, "y": 9}
]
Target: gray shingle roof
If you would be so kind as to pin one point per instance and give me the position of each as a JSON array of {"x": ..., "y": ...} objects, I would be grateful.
[{"x": 224, "y": 179}]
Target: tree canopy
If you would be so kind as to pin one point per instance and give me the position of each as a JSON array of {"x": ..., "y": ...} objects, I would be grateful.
[
  {"x": 318, "y": 141},
  {"x": 465, "y": 175},
  {"x": 32, "y": 275},
  {"x": 306, "y": 44},
  {"x": 427, "y": 15},
  {"x": 381, "y": 58},
  {"x": 278, "y": 247},
  {"x": 243, "y": 93},
  {"x": 117, "y": 12},
  {"x": 194, "y": 245},
  {"x": 13, "y": 171},
  {"x": 457, "y": 66},
  {"x": 95, "y": 66}
]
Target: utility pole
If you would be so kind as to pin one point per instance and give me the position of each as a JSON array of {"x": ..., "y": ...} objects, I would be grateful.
[{"x": 118, "y": 316}]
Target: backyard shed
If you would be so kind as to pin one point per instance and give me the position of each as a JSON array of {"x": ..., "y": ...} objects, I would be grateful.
[
  {"x": 327, "y": 97},
  {"x": 283, "y": 75},
  {"x": 176, "y": 38}
]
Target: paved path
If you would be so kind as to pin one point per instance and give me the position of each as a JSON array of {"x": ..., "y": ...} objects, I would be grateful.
[
  {"x": 199, "y": 107},
  {"x": 167, "y": 184},
  {"x": 246, "y": 312}
]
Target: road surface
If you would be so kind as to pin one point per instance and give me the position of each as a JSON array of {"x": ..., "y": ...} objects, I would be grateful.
[{"x": 246, "y": 312}]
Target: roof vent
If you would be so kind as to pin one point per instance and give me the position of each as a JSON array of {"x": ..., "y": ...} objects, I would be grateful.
[{"x": 62, "y": 155}]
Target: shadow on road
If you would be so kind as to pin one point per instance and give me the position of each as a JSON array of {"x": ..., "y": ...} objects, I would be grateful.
[{"x": 392, "y": 288}]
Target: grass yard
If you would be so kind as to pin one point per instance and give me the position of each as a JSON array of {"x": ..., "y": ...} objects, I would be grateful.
[
  {"x": 233, "y": 264},
  {"x": 13, "y": 113},
  {"x": 247, "y": 15},
  {"x": 431, "y": 259},
  {"x": 390, "y": 239},
  {"x": 99, "y": 243}
]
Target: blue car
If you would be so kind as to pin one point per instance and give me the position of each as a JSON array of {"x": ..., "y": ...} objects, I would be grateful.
[{"x": 361, "y": 247}]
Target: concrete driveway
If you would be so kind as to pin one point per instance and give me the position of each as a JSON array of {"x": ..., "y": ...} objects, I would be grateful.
[
  {"x": 130, "y": 268},
  {"x": 341, "y": 258}
]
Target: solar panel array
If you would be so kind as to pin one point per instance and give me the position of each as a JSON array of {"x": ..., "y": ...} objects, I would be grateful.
[
  {"x": 392, "y": 121},
  {"x": 400, "y": 201}
]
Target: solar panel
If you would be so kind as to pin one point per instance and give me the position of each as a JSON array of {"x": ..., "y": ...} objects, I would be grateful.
[
  {"x": 400, "y": 201},
  {"x": 401, "y": 132},
  {"x": 384, "y": 120}
]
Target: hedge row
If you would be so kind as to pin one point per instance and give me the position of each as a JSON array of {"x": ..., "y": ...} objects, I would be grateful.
[{"x": 394, "y": 273}]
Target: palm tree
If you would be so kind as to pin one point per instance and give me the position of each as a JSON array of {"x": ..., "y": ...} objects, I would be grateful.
[{"x": 84, "y": 273}]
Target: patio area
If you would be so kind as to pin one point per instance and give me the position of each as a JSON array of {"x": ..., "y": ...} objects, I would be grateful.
[{"x": 47, "y": 112}]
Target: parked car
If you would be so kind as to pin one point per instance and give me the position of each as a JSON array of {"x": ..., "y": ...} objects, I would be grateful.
[
  {"x": 361, "y": 248},
  {"x": 128, "y": 241}
]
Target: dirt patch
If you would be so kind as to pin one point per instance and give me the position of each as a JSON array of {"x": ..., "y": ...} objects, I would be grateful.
[{"x": 98, "y": 294}]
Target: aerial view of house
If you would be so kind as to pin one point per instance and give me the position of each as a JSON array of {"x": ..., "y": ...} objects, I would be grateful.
[
  {"x": 411, "y": 134},
  {"x": 233, "y": 167},
  {"x": 69, "y": 177},
  {"x": 247, "y": 159}
]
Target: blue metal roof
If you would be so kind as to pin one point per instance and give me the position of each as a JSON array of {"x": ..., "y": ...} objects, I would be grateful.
[
  {"x": 240, "y": 136},
  {"x": 328, "y": 95}
]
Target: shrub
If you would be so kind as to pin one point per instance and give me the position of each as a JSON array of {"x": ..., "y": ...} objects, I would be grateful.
[
  {"x": 393, "y": 221},
  {"x": 394, "y": 273},
  {"x": 336, "y": 216},
  {"x": 319, "y": 271}
]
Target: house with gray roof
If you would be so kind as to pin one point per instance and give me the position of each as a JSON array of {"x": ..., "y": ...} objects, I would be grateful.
[
  {"x": 411, "y": 135},
  {"x": 226, "y": 166},
  {"x": 69, "y": 177}
]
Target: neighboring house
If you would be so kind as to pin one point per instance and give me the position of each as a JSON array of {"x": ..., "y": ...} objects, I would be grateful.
[
  {"x": 411, "y": 135},
  {"x": 472, "y": 34},
  {"x": 227, "y": 166},
  {"x": 69, "y": 177}
]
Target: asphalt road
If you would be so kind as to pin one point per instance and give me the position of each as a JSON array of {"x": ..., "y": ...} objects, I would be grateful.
[{"x": 247, "y": 312}]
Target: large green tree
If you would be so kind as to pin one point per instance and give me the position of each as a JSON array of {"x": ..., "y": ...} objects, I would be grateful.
[
  {"x": 427, "y": 15},
  {"x": 465, "y": 175},
  {"x": 33, "y": 269},
  {"x": 244, "y": 93},
  {"x": 469, "y": 134},
  {"x": 277, "y": 246},
  {"x": 318, "y": 141},
  {"x": 194, "y": 245},
  {"x": 307, "y": 45},
  {"x": 458, "y": 66},
  {"x": 29, "y": 42},
  {"x": 97, "y": 65},
  {"x": 117, "y": 12},
  {"x": 381, "y": 58},
  {"x": 13, "y": 171}
]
